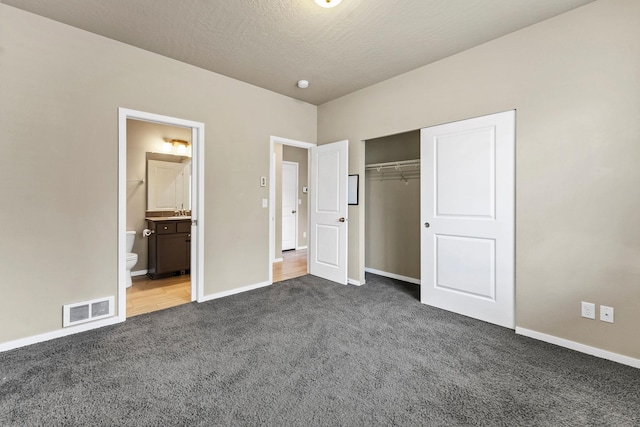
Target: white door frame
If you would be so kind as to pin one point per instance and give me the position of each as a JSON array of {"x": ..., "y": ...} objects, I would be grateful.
[
  {"x": 272, "y": 192},
  {"x": 295, "y": 245},
  {"x": 197, "y": 202}
]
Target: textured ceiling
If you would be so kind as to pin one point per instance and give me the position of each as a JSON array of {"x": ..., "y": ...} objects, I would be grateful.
[{"x": 275, "y": 43}]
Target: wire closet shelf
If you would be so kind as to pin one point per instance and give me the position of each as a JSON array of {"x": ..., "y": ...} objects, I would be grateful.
[{"x": 402, "y": 169}]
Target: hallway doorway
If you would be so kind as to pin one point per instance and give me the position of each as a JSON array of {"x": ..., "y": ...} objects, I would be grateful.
[{"x": 288, "y": 260}]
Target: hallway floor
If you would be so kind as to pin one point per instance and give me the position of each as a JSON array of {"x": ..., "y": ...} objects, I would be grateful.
[{"x": 294, "y": 264}]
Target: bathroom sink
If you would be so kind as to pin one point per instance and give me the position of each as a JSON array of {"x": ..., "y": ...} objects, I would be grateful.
[{"x": 178, "y": 217}]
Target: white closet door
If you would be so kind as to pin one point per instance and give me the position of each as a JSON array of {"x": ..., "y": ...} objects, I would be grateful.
[{"x": 467, "y": 213}]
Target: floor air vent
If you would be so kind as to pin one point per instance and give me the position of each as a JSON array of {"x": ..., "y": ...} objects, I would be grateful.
[{"x": 87, "y": 311}]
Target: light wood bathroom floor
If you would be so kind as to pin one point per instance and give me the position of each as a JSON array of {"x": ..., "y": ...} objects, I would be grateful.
[{"x": 146, "y": 295}]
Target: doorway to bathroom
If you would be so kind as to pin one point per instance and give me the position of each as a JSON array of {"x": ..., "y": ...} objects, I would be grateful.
[{"x": 160, "y": 210}]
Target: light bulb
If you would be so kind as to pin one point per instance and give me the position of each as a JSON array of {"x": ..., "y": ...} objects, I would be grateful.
[{"x": 327, "y": 3}]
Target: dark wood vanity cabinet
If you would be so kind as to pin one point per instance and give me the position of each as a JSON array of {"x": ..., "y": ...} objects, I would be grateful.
[{"x": 169, "y": 247}]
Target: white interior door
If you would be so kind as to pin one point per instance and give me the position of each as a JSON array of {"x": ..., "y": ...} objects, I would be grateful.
[
  {"x": 328, "y": 211},
  {"x": 289, "y": 205},
  {"x": 467, "y": 212}
]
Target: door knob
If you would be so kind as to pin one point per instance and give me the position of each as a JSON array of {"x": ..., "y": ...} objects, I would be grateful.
[
  {"x": 426, "y": 225},
  {"x": 341, "y": 219},
  {"x": 293, "y": 211}
]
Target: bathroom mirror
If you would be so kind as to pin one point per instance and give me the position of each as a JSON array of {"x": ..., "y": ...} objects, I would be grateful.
[{"x": 168, "y": 182}]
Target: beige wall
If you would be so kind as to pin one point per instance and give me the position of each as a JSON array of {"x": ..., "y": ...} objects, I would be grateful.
[
  {"x": 574, "y": 82},
  {"x": 60, "y": 92},
  {"x": 402, "y": 146},
  {"x": 392, "y": 207},
  {"x": 143, "y": 137},
  {"x": 300, "y": 156}
]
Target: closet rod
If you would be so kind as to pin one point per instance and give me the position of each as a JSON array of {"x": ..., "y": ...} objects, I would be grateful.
[{"x": 393, "y": 165}]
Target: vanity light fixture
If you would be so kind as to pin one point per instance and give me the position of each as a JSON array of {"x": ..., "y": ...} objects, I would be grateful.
[
  {"x": 327, "y": 3},
  {"x": 181, "y": 145}
]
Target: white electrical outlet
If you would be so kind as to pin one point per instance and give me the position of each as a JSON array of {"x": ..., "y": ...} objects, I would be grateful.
[
  {"x": 588, "y": 310},
  {"x": 304, "y": 234},
  {"x": 606, "y": 314}
]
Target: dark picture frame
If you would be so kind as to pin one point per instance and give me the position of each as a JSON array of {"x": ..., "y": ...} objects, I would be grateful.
[{"x": 352, "y": 193}]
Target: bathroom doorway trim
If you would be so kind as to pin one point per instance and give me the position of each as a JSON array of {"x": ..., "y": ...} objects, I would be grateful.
[{"x": 197, "y": 202}]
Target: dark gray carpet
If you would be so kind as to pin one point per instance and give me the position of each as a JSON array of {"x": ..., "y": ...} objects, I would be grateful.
[{"x": 310, "y": 352}]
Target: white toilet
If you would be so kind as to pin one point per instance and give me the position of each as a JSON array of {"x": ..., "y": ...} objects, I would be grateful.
[{"x": 132, "y": 258}]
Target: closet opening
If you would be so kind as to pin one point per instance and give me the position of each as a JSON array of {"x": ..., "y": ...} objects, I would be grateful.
[{"x": 392, "y": 206}]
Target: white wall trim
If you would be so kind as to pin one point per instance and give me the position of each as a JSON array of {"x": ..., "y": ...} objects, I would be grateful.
[
  {"x": 301, "y": 247},
  {"x": 139, "y": 273},
  {"x": 234, "y": 291},
  {"x": 197, "y": 204},
  {"x": 272, "y": 192},
  {"x": 354, "y": 282},
  {"x": 582, "y": 348},
  {"x": 59, "y": 333},
  {"x": 392, "y": 275},
  {"x": 278, "y": 260}
]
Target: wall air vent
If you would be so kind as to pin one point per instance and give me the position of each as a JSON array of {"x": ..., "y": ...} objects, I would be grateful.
[{"x": 87, "y": 311}]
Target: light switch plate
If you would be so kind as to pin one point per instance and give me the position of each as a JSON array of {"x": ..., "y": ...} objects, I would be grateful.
[{"x": 263, "y": 181}]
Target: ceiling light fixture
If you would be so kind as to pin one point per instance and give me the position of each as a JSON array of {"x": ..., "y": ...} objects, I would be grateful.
[
  {"x": 303, "y": 84},
  {"x": 327, "y": 3}
]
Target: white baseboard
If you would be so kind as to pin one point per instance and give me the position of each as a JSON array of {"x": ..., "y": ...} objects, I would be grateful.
[
  {"x": 234, "y": 291},
  {"x": 582, "y": 348},
  {"x": 354, "y": 282},
  {"x": 392, "y": 275},
  {"x": 139, "y": 273},
  {"x": 278, "y": 260},
  {"x": 22, "y": 342},
  {"x": 300, "y": 248}
]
